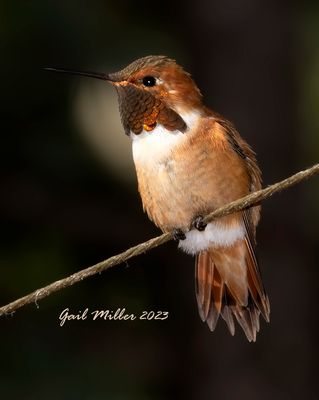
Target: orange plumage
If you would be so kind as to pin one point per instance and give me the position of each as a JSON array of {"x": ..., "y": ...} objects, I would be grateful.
[
  {"x": 197, "y": 177},
  {"x": 191, "y": 162}
]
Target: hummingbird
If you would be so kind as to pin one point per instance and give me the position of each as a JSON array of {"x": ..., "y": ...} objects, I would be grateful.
[{"x": 190, "y": 161}]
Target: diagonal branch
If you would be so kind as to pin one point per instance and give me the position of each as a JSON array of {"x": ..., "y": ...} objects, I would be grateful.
[{"x": 234, "y": 206}]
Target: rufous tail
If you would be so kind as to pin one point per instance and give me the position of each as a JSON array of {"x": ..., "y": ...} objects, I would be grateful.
[{"x": 228, "y": 283}]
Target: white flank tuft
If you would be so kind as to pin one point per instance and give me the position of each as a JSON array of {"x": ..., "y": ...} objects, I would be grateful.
[{"x": 213, "y": 236}]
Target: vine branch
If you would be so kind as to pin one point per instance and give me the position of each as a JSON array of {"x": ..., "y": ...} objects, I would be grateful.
[{"x": 232, "y": 207}]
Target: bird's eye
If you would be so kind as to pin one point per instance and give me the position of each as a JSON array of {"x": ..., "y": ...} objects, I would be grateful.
[{"x": 149, "y": 81}]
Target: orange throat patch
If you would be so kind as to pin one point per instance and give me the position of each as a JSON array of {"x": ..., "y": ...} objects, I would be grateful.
[{"x": 149, "y": 127}]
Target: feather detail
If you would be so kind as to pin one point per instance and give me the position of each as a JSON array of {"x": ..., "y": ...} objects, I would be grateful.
[{"x": 236, "y": 288}]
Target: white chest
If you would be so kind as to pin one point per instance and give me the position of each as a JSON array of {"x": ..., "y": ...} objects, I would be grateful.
[{"x": 150, "y": 148}]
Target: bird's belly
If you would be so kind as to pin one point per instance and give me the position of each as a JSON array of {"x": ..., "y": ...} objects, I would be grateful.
[
  {"x": 174, "y": 192},
  {"x": 168, "y": 196},
  {"x": 179, "y": 181}
]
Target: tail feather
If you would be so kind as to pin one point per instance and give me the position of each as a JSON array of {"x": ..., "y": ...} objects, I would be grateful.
[
  {"x": 254, "y": 274},
  {"x": 227, "y": 315},
  {"x": 216, "y": 293},
  {"x": 244, "y": 319},
  {"x": 228, "y": 283},
  {"x": 255, "y": 284},
  {"x": 203, "y": 281}
]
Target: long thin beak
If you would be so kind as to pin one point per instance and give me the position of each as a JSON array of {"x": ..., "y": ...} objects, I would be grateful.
[{"x": 104, "y": 77}]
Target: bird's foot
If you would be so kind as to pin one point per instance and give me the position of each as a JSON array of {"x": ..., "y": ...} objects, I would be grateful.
[
  {"x": 178, "y": 234},
  {"x": 199, "y": 224}
]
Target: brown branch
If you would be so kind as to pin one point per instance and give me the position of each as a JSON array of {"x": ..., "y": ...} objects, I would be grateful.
[{"x": 234, "y": 206}]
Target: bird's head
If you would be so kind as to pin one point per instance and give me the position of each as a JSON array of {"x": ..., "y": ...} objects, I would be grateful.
[{"x": 153, "y": 90}]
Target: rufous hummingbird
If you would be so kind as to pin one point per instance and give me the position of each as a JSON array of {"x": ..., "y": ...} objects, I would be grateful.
[{"x": 190, "y": 161}]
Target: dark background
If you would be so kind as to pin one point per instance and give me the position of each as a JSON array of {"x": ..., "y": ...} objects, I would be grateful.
[{"x": 69, "y": 199}]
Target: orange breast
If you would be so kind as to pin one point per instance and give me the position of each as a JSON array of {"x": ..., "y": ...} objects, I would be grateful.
[{"x": 199, "y": 174}]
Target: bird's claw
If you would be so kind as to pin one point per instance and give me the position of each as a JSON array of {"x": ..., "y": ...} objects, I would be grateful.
[
  {"x": 199, "y": 224},
  {"x": 178, "y": 234}
]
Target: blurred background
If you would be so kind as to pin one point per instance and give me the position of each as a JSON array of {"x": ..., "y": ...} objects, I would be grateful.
[{"x": 69, "y": 199}]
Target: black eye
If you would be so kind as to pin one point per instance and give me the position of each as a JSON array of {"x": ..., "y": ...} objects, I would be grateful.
[{"x": 149, "y": 81}]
